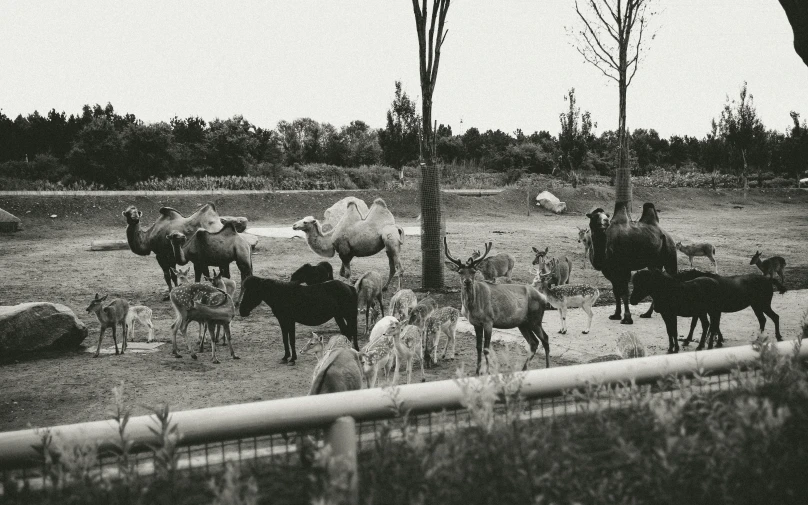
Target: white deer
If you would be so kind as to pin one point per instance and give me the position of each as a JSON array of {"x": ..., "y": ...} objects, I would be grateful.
[{"x": 143, "y": 315}]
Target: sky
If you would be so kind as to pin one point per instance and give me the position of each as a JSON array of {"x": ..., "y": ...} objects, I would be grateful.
[{"x": 506, "y": 64}]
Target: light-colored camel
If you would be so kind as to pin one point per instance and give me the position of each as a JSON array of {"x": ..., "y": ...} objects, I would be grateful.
[
  {"x": 154, "y": 239},
  {"x": 358, "y": 236},
  {"x": 219, "y": 248}
]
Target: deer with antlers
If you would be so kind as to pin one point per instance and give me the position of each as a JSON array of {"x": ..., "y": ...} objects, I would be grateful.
[{"x": 488, "y": 306}]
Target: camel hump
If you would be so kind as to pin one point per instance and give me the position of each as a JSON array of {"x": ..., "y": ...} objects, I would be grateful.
[
  {"x": 649, "y": 214},
  {"x": 209, "y": 205},
  {"x": 170, "y": 212},
  {"x": 380, "y": 203}
]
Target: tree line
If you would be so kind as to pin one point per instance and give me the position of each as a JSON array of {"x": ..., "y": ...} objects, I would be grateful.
[{"x": 102, "y": 146}]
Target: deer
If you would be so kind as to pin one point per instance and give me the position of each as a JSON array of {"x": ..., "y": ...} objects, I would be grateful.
[
  {"x": 771, "y": 266},
  {"x": 208, "y": 306},
  {"x": 406, "y": 346},
  {"x": 402, "y": 303},
  {"x": 183, "y": 276},
  {"x": 488, "y": 306},
  {"x": 585, "y": 238},
  {"x": 566, "y": 297},
  {"x": 700, "y": 249},
  {"x": 143, "y": 315},
  {"x": 110, "y": 315},
  {"x": 560, "y": 269},
  {"x": 369, "y": 290},
  {"x": 323, "y": 350},
  {"x": 225, "y": 284},
  {"x": 499, "y": 265},
  {"x": 376, "y": 354},
  {"x": 443, "y": 320}
]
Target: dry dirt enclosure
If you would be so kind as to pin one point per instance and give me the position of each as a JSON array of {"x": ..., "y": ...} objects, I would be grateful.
[{"x": 50, "y": 261}]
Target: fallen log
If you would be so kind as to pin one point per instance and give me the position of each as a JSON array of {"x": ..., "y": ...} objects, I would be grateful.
[{"x": 108, "y": 245}]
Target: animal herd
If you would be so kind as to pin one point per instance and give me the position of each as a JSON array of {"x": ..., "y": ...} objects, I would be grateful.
[{"x": 413, "y": 330}]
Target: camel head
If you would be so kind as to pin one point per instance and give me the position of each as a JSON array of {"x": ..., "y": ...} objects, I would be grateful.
[
  {"x": 132, "y": 215},
  {"x": 468, "y": 270},
  {"x": 176, "y": 237},
  {"x": 755, "y": 257},
  {"x": 96, "y": 302},
  {"x": 540, "y": 256},
  {"x": 306, "y": 225},
  {"x": 598, "y": 220}
]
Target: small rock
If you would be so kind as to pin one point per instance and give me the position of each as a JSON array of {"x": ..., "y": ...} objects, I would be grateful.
[{"x": 53, "y": 216}]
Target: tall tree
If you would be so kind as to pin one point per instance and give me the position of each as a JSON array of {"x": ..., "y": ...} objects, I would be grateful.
[
  {"x": 573, "y": 140},
  {"x": 429, "y": 46},
  {"x": 611, "y": 39},
  {"x": 797, "y": 13},
  {"x": 743, "y": 130},
  {"x": 399, "y": 138}
]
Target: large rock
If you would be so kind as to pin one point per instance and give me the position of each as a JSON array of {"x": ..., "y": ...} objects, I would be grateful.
[
  {"x": 550, "y": 202},
  {"x": 334, "y": 214},
  {"x": 37, "y": 325}
]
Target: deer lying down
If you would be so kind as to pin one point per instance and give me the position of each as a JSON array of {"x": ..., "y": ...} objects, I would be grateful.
[
  {"x": 700, "y": 249},
  {"x": 143, "y": 315},
  {"x": 567, "y": 297}
]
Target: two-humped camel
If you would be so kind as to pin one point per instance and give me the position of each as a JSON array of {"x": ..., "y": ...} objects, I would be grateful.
[
  {"x": 358, "y": 236},
  {"x": 155, "y": 238}
]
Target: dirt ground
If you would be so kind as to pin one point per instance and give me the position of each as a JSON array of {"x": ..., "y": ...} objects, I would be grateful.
[{"x": 50, "y": 261}]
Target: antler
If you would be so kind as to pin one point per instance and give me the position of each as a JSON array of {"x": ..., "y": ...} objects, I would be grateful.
[
  {"x": 449, "y": 255},
  {"x": 477, "y": 261}
]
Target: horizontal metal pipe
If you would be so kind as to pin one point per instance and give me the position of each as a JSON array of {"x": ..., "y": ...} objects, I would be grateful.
[{"x": 292, "y": 414}]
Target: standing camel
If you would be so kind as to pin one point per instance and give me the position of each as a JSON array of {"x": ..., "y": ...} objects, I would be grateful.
[
  {"x": 358, "y": 236},
  {"x": 621, "y": 246},
  {"x": 154, "y": 239}
]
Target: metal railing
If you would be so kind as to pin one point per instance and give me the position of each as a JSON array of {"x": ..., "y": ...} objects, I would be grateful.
[{"x": 270, "y": 430}]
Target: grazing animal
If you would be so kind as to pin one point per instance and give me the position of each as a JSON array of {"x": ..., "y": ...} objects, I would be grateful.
[
  {"x": 369, "y": 290},
  {"x": 443, "y": 320},
  {"x": 700, "y": 249},
  {"x": 560, "y": 269},
  {"x": 673, "y": 298},
  {"x": 585, "y": 238},
  {"x": 771, "y": 266},
  {"x": 358, "y": 236},
  {"x": 488, "y": 306},
  {"x": 154, "y": 239},
  {"x": 340, "y": 370},
  {"x": 110, "y": 315},
  {"x": 378, "y": 353},
  {"x": 566, "y": 297},
  {"x": 421, "y": 311},
  {"x": 402, "y": 303},
  {"x": 621, "y": 246},
  {"x": 313, "y": 274},
  {"x": 143, "y": 315},
  {"x": 208, "y": 306},
  {"x": 308, "y": 305},
  {"x": 406, "y": 346},
  {"x": 499, "y": 265}
]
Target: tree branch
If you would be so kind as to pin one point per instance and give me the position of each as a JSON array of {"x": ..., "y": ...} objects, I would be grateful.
[{"x": 594, "y": 36}]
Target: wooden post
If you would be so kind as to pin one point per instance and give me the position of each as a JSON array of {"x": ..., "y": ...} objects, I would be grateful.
[
  {"x": 341, "y": 436},
  {"x": 528, "y": 201}
]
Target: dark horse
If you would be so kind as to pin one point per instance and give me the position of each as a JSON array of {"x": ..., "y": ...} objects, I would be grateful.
[
  {"x": 313, "y": 274},
  {"x": 672, "y": 298},
  {"x": 308, "y": 305}
]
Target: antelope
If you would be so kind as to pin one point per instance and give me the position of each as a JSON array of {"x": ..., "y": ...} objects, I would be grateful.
[
  {"x": 771, "y": 266},
  {"x": 488, "y": 306},
  {"x": 369, "y": 290},
  {"x": 585, "y": 238},
  {"x": 566, "y": 297},
  {"x": 402, "y": 303},
  {"x": 701, "y": 249},
  {"x": 443, "y": 320},
  {"x": 499, "y": 265},
  {"x": 205, "y": 304},
  {"x": 110, "y": 315},
  {"x": 142, "y": 314},
  {"x": 560, "y": 269},
  {"x": 406, "y": 346}
]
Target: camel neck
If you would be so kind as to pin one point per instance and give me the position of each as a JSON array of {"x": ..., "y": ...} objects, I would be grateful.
[
  {"x": 179, "y": 253},
  {"x": 320, "y": 242},
  {"x": 598, "y": 248},
  {"x": 138, "y": 239}
]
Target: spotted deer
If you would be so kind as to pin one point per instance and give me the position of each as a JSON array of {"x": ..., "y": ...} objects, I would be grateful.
[
  {"x": 376, "y": 354},
  {"x": 143, "y": 315},
  {"x": 110, "y": 315},
  {"x": 406, "y": 347},
  {"x": 369, "y": 290},
  {"x": 226, "y": 285},
  {"x": 421, "y": 311},
  {"x": 771, "y": 266},
  {"x": 560, "y": 269},
  {"x": 402, "y": 303},
  {"x": 442, "y": 321},
  {"x": 206, "y": 305},
  {"x": 701, "y": 249},
  {"x": 566, "y": 297},
  {"x": 183, "y": 276},
  {"x": 488, "y": 306},
  {"x": 499, "y": 265}
]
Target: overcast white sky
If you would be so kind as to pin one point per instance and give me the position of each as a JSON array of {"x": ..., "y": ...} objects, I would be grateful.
[{"x": 506, "y": 64}]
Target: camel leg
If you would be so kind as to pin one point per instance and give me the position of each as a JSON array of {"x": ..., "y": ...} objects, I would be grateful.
[
  {"x": 394, "y": 263},
  {"x": 618, "y": 313},
  {"x": 627, "y": 312},
  {"x": 169, "y": 276}
]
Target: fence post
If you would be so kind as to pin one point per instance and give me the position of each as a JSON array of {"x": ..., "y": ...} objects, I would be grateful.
[{"x": 341, "y": 436}]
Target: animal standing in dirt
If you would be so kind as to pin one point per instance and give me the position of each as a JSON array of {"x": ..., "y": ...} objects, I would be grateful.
[
  {"x": 771, "y": 266},
  {"x": 441, "y": 321},
  {"x": 313, "y": 274},
  {"x": 369, "y": 290},
  {"x": 700, "y": 249},
  {"x": 143, "y": 315},
  {"x": 377, "y": 354},
  {"x": 208, "y": 306},
  {"x": 421, "y": 312},
  {"x": 402, "y": 303},
  {"x": 488, "y": 306},
  {"x": 229, "y": 287},
  {"x": 559, "y": 268},
  {"x": 499, "y": 265},
  {"x": 566, "y": 297},
  {"x": 213, "y": 248},
  {"x": 585, "y": 238},
  {"x": 110, "y": 315},
  {"x": 358, "y": 236},
  {"x": 340, "y": 370},
  {"x": 621, "y": 246},
  {"x": 406, "y": 347},
  {"x": 155, "y": 238},
  {"x": 308, "y": 305}
]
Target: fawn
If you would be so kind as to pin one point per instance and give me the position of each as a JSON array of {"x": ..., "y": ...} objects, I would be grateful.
[
  {"x": 771, "y": 266},
  {"x": 110, "y": 315},
  {"x": 443, "y": 320},
  {"x": 701, "y": 249},
  {"x": 142, "y": 314},
  {"x": 567, "y": 296}
]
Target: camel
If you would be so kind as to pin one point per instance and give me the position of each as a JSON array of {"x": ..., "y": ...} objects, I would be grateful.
[
  {"x": 154, "y": 239},
  {"x": 621, "y": 246},
  {"x": 214, "y": 248},
  {"x": 358, "y": 236}
]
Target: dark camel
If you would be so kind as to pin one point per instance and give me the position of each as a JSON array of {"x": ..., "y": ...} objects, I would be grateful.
[
  {"x": 154, "y": 239},
  {"x": 621, "y": 246}
]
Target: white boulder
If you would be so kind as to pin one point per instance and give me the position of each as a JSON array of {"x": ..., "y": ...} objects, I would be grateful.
[{"x": 550, "y": 202}]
